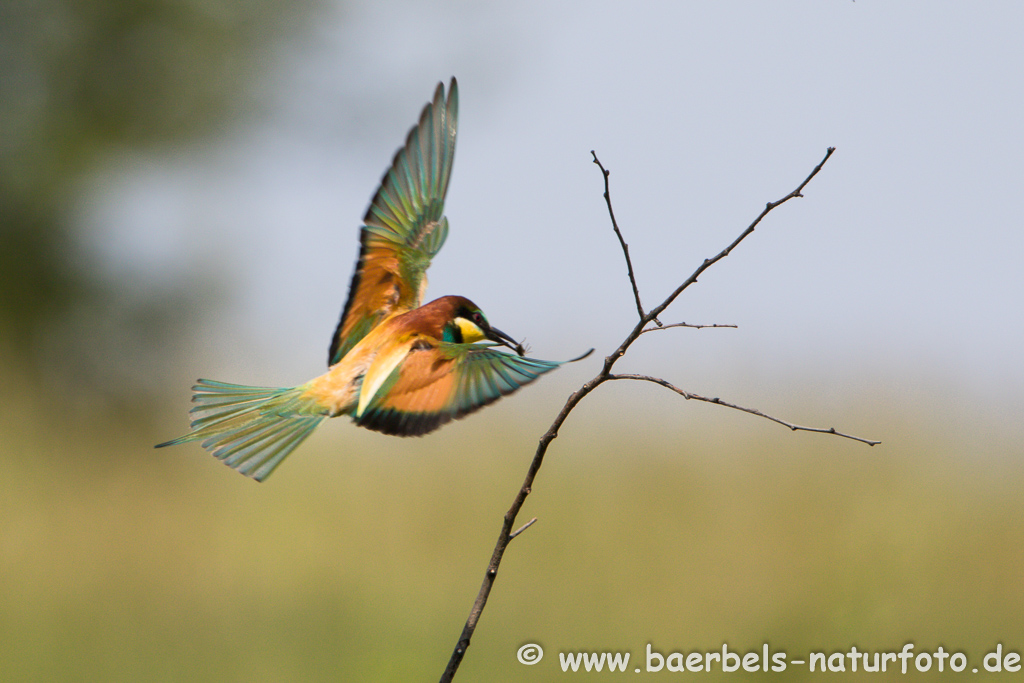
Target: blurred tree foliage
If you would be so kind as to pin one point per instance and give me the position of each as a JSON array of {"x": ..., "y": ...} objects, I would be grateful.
[{"x": 79, "y": 78}]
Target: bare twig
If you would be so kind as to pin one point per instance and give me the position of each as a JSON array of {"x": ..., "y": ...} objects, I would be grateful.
[
  {"x": 753, "y": 411},
  {"x": 692, "y": 325},
  {"x": 622, "y": 241},
  {"x": 750, "y": 228},
  {"x": 506, "y": 534},
  {"x": 522, "y": 528}
]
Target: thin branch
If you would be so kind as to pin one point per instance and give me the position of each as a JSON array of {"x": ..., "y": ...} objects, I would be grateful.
[
  {"x": 691, "y": 325},
  {"x": 653, "y": 313},
  {"x": 506, "y": 534},
  {"x": 622, "y": 241},
  {"x": 753, "y": 411},
  {"x": 750, "y": 228}
]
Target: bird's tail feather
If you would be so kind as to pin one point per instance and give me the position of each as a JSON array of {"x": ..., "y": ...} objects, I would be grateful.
[{"x": 251, "y": 429}]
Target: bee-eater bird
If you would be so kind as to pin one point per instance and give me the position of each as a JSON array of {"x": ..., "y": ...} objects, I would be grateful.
[{"x": 394, "y": 366}]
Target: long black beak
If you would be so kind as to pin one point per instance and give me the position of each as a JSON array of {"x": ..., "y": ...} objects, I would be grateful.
[{"x": 496, "y": 335}]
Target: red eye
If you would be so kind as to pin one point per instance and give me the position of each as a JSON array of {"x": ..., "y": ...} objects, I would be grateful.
[{"x": 477, "y": 318}]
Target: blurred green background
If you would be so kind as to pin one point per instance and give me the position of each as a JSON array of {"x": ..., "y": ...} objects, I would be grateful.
[{"x": 139, "y": 249}]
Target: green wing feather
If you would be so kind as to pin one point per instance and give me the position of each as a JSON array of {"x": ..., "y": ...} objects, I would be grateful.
[
  {"x": 437, "y": 384},
  {"x": 404, "y": 227}
]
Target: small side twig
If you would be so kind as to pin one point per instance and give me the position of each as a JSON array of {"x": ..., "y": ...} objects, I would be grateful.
[
  {"x": 691, "y": 325},
  {"x": 522, "y": 528},
  {"x": 688, "y": 395}
]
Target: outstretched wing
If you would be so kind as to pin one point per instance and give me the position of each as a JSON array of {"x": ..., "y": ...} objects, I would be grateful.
[
  {"x": 439, "y": 383},
  {"x": 404, "y": 227}
]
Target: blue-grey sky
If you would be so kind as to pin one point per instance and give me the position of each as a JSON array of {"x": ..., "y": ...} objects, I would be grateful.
[{"x": 903, "y": 258}]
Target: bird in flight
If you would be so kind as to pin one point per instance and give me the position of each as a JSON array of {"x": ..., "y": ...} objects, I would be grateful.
[{"x": 395, "y": 366}]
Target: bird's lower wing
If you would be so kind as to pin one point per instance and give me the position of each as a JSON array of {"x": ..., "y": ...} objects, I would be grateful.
[{"x": 439, "y": 383}]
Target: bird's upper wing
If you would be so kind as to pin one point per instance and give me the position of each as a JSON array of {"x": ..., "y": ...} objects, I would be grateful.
[
  {"x": 439, "y": 382},
  {"x": 404, "y": 226}
]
